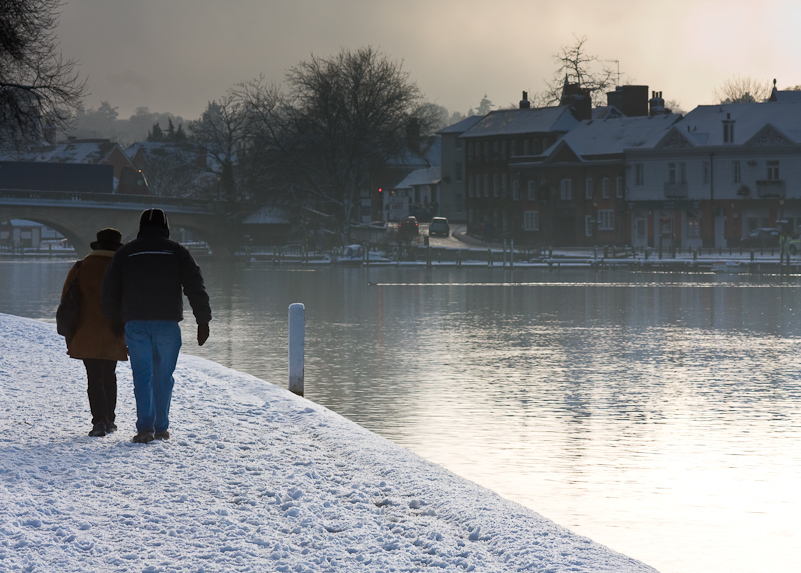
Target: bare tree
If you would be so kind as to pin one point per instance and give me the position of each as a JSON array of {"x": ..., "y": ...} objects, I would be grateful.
[
  {"x": 221, "y": 132},
  {"x": 576, "y": 66},
  {"x": 742, "y": 90},
  {"x": 335, "y": 124},
  {"x": 38, "y": 87}
]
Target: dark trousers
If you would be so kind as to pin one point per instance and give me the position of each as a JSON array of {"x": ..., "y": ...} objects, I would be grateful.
[{"x": 102, "y": 388}]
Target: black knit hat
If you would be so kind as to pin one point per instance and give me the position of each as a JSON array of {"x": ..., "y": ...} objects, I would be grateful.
[
  {"x": 107, "y": 240},
  {"x": 154, "y": 218}
]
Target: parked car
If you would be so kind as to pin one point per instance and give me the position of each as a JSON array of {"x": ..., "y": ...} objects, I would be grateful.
[
  {"x": 439, "y": 226},
  {"x": 762, "y": 237},
  {"x": 409, "y": 226}
]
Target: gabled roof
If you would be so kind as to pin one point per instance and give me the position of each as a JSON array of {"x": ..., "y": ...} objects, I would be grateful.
[
  {"x": 428, "y": 176},
  {"x": 606, "y": 137},
  {"x": 81, "y": 151},
  {"x": 703, "y": 126},
  {"x": 462, "y": 126},
  {"x": 523, "y": 121},
  {"x": 787, "y": 96},
  {"x": 772, "y": 135},
  {"x": 431, "y": 154}
]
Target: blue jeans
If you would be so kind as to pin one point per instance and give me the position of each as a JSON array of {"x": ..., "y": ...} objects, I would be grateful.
[{"x": 153, "y": 347}]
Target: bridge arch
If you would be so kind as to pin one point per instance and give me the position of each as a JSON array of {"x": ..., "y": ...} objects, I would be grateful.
[{"x": 79, "y": 220}]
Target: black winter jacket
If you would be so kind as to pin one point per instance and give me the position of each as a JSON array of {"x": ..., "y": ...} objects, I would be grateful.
[{"x": 145, "y": 278}]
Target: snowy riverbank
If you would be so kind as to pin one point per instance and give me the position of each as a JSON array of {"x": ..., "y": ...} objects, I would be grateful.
[{"x": 253, "y": 479}]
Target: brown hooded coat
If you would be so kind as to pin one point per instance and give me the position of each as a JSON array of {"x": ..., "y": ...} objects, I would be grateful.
[{"x": 94, "y": 338}]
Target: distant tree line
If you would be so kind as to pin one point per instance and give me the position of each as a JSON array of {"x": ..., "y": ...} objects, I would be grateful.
[{"x": 313, "y": 141}]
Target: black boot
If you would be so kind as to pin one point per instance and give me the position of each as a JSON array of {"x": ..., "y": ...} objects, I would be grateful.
[
  {"x": 98, "y": 430},
  {"x": 144, "y": 437}
]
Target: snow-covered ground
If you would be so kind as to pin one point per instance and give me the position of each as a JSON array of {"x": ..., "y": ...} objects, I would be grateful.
[{"x": 253, "y": 479}]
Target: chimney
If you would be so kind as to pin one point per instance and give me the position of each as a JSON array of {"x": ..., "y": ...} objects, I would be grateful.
[
  {"x": 631, "y": 100},
  {"x": 578, "y": 98},
  {"x": 656, "y": 104},
  {"x": 524, "y": 103},
  {"x": 728, "y": 129},
  {"x": 413, "y": 134}
]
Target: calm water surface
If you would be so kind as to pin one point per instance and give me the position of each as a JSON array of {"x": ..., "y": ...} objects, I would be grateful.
[{"x": 659, "y": 414}]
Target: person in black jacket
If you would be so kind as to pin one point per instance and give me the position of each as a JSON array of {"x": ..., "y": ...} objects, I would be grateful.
[{"x": 142, "y": 289}]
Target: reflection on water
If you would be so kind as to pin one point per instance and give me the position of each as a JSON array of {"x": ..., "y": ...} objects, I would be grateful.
[{"x": 659, "y": 414}]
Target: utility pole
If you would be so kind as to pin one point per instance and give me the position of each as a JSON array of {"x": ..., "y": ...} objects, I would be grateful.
[{"x": 618, "y": 69}]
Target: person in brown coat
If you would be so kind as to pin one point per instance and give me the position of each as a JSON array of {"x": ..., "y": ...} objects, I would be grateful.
[{"x": 96, "y": 341}]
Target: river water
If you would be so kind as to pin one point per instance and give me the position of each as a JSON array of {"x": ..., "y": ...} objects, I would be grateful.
[{"x": 658, "y": 414}]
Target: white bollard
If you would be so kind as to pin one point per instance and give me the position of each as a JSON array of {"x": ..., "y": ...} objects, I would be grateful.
[{"x": 297, "y": 343}]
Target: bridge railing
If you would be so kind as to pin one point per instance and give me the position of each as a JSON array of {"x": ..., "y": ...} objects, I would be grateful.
[{"x": 17, "y": 196}]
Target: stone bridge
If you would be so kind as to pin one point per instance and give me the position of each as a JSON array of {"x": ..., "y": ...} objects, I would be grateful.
[{"x": 78, "y": 216}]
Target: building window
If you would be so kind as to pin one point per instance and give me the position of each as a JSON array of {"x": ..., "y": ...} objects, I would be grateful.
[
  {"x": 486, "y": 185},
  {"x": 531, "y": 190},
  {"x": 527, "y": 147},
  {"x": 486, "y": 151},
  {"x": 495, "y": 186},
  {"x": 566, "y": 189},
  {"x": 471, "y": 186},
  {"x": 677, "y": 173},
  {"x": 503, "y": 149},
  {"x": 459, "y": 171},
  {"x": 495, "y": 150},
  {"x": 606, "y": 220},
  {"x": 773, "y": 171},
  {"x": 504, "y": 185},
  {"x": 588, "y": 222},
  {"x": 537, "y": 147},
  {"x": 588, "y": 188},
  {"x": 639, "y": 176},
  {"x": 513, "y": 146},
  {"x": 705, "y": 176},
  {"x": 531, "y": 220},
  {"x": 470, "y": 151},
  {"x": 605, "y": 188},
  {"x": 619, "y": 188},
  {"x": 736, "y": 172},
  {"x": 515, "y": 190}
]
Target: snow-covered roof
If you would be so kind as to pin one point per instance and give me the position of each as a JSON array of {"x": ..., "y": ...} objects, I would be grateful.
[
  {"x": 606, "y": 112},
  {"x": 89, "y": 151},
  {"x": 462, "y": 126},
  {"x": 703, "y": 126},
  {"x": 522, "y": 121},
  {"x": 428, "y": 176},
  {"x": 786, "y": 96},
  {"x": 433, "y": 153},
  {"x": 612, "y": 136}
]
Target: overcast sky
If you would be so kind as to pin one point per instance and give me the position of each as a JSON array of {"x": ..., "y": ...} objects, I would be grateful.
[{"x": 176, "y": 55}]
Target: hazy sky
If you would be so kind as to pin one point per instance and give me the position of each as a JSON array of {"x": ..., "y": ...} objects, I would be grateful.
[{"x": 176, "y": 55}]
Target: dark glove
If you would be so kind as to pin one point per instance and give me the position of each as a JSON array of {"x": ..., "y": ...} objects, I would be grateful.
[
  {"x": 118, "y": 328},
  {"x": 202, "y": 333}
]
